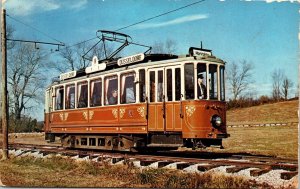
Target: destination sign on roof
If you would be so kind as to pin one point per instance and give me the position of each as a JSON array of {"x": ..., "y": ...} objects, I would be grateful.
[
  {"x": 201, "y": 53},
  {"x": 67, "y": 75},
  {"x": 131, "y": 59}
]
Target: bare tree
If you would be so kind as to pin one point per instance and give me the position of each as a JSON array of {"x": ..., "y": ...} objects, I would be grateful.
[
  {"x": 239, "y": 77},
  {"x": 169, "y": 47},
  {"x": 25, "y": 78},
  {"x": 277, "y": 79},
  {"x": 71, "y": 57},
  {"x": 286, "y": 85}
]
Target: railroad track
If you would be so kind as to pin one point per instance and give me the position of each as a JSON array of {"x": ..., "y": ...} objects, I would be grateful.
[{"x": 200, "y": 161}]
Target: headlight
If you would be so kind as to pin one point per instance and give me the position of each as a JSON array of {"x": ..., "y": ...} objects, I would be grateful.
[{"x": 216, "y": 121}]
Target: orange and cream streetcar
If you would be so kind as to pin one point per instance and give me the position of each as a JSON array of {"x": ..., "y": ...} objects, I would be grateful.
[{"x": 140, "y": 101}]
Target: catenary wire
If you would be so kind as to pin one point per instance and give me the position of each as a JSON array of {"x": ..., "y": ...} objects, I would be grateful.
[
  {"x": 34, "y": 28},
  {"x": 171, "y": 11}
]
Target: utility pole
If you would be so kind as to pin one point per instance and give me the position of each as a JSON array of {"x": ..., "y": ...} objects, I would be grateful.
[{"x": 4, "y": 87}]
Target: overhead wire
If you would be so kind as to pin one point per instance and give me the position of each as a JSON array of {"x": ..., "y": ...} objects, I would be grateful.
[
  {"x": 122, "y": 28},
  {"x": 45, "y": 34},
  {"x": 145, "y": 20},
  {"x": 160, "y": 15}
]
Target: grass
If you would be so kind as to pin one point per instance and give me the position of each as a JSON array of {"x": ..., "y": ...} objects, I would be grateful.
[
  {"x": 281, "y": 141},
  {"x": 282, "y": 112},
  {"x": 60, "y": 172}
]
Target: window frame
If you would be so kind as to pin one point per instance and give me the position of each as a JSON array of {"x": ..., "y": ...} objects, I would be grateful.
[
  {"x": 55, "y": 97},
  {"x": 96, "y": 80},
  {"x": 124, "y": 75},
  {"x": 67, "y": 96},
  {"x": 78, "y": 96},
  {"x": 106, "y": 100}
]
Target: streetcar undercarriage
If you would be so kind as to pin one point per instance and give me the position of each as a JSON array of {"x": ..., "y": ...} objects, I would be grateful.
[{"x": 122, "y": 142}]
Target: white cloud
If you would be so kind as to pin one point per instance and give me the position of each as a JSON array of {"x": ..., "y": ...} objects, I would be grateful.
[
  {"x": 28, "y": 7},
  {"x": 78, "y": 4},
  {"x": 176, "y": 21}
]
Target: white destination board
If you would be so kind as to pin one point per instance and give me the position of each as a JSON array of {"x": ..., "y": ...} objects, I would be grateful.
[
  {"x": 67, "y": 75},
  {"x": 131, "y": 59},
  {"x": 200, "y": 53}
]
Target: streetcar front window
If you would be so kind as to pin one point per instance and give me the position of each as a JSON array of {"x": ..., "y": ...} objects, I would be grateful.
[
  {"x": 177, "y": 84},
  {"x": 213, "y": 81},
  {"x": 128, "y": 88},
  {"x": 152, "y": 86},
  {"x": 70, "y": 96},
  {"x": 169, "y": 85},
  {"x": 201, "y": 81},
  {"x": 96, "y": 93},
  {"x": 160, "y": 88},
  {"x": 82, "y": 94},
  {"x": 189, "y": 81},
  {"x": 59, "y": 99},
  {"x": 222, "y": 82},
  {"x": 142, "y": 83}
]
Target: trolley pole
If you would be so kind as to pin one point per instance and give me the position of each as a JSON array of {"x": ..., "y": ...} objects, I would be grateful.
[{"x": 4, "y": 87}]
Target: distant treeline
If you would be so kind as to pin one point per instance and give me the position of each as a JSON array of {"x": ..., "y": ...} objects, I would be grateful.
[
  {"x": 244, "y": 102},
  {"x": 24, "y": 125}
]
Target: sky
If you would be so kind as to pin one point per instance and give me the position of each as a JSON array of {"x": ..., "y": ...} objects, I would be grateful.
[{"x": 265, "y": 34}]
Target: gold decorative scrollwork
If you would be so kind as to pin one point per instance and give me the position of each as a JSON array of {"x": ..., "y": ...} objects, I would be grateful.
[
  {"x": 190, "y": 110},
  {"x": 61, "y": 115},
  {"x": 141, "y": 111},
  {"x": 66, "y": 116},
  {"x": 91, "y": 114},
  {"x": 115, "y": 112},
  {"x": 85, "y": 115},
  {"x": 122, "y": 111}
]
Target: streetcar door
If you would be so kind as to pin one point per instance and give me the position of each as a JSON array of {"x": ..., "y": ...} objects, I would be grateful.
[
  {"x": 156, "y": 99},
  {"x": 173, "y": 98}
]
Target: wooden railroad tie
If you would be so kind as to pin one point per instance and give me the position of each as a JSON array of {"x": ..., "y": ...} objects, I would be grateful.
[
  {"x": 235, "y": 169},
  {"x": 288, "y": 175},
  {"x": 258, "y": 172}
]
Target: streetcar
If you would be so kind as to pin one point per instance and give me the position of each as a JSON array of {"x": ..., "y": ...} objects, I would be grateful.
[{"x": 137, "y": 102}]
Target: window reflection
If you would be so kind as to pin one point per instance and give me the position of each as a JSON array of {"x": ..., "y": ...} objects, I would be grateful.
[
  {"x": 213, "y": 82},
  {"x": 59, "y": 99},
  {"x": 189, "y": 81},
  {"x": 111, "y": 90},
  {"x": 128, "y": 88},
  {"x": 201, "y": 81},
  {"x": 142, "y": 86},
  {"x": 70, "y": 97},
  {"x": 96, "y": 92},
  {"x": 82, "y": 94}
]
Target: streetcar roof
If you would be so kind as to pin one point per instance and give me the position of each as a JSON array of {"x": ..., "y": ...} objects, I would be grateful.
[{"x": 149, "y": 60}]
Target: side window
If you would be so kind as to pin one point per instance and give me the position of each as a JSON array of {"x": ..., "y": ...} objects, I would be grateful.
[
  {"x": 160, "y": 84},
  {"x": 169, "y": 85},
  {"x": 82, "y": 94},
  {"x": 189, "y": 81},
  {"x": 127, "y": 88},
  {"x": 59, "y": 98},
  {"x": 152, "y": 86},
  {"x": 70, "y": 97},
  {"x": 177, "y": 84},
  {"x": 201, "y": 81},
  {"x": 213, "y": 82},
  {"x": 96, "y": 92},
  {"x": 111, "y": 90},
  {"x": 142, "y": 86}
]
